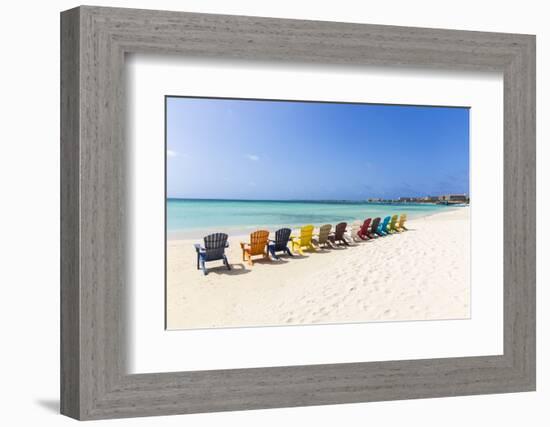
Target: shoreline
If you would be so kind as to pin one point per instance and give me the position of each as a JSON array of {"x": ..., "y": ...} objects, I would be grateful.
[
  {"x": 199, "y": 233},
  {"x": 420, "y": 274}
]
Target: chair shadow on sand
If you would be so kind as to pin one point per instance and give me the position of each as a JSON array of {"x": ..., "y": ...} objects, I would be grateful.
[
  {"x": 281, "y": 260},
  {"x": 239, "y": 268},
  {"x": 236, "y": 270},
  {"x": 322, "y": 251}
]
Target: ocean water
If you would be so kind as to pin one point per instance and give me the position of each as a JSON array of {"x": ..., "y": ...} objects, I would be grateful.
[{"x": 194, "y": 218}]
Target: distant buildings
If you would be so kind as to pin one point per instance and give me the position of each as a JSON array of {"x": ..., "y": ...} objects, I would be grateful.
[
  {"x": 457, "y": 198},
  {"x": 430, "y": 199},
  {"x": 447, "y": 199}
]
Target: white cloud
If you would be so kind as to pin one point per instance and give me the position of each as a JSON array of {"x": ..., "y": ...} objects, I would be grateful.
[
  {"x": 171, "y": 153},
  {"x": 253, "y": 157}
]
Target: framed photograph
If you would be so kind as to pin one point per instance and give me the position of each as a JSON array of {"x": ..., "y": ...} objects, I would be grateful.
[
  {"x": 262, "y": 213},
  {"x": 287, "y": 204}
]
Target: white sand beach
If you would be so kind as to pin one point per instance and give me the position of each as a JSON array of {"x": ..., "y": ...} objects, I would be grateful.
[{"x": 420, "y": 274}]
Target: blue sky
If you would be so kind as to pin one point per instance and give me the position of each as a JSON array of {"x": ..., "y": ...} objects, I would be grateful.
[{"x": 244, "y": 149}]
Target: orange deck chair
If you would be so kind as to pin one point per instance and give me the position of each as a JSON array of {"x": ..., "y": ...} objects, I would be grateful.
[{"x": 257, "y": 246}]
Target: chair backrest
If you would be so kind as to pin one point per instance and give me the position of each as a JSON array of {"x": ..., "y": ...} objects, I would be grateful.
[
  {"x": 324, "y": 231},
  {"x": 375, "y": 224},
  {"x": 385, "y": 223},
  {"x": 393, "y": 221},
  {"x": 365, "y": 226},
  {"x": 281, "y": 238},
  {"x": 340, "y": 230},
  {"x": 305, "y": 234},
  {"x": 214, "y": 246},
  {"x": 402, "y": 219},
  {"x": 258, "y": 241}
]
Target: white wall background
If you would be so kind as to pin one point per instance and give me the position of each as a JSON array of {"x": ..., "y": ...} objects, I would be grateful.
[{"x": 29, "y": 211}]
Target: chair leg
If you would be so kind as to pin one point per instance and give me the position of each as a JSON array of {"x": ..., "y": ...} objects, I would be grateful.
[
  {"x": 198, "y": 258},
  {"x": 226, "y": 262},
  {"x": 203, "y": 267},
  {"x": 288, "y": 252},
  {"x": 272, "y": 252}
]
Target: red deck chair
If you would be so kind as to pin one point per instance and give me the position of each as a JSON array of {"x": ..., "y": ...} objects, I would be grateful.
[{"x": 363, "y": 232}]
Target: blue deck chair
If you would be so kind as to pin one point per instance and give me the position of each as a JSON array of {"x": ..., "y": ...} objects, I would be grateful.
[
  {"x": 383, "y": 228},
  {"x": 213, "y": 250},
  {"x": 280, "y": 243}
]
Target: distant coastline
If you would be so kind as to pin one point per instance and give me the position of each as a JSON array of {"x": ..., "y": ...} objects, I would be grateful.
[{"x": 433, "y": 200}]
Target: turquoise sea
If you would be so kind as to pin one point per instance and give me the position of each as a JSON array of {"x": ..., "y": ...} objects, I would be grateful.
[{"x": 194, "y": 218}]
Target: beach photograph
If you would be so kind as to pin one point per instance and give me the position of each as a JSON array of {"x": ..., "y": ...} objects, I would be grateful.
[{"x": 287, "y": 213}]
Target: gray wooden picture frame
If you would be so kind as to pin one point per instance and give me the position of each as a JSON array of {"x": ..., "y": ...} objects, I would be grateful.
[{"x": 94, "y": 381}]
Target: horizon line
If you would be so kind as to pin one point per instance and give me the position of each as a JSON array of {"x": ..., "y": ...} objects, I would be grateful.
[{"x": 311, "y": 200}]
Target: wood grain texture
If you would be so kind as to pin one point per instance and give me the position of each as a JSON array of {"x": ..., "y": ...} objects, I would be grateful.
[
  {"x": 94, "y": 382},
  {"x": 70, "y": 264}
]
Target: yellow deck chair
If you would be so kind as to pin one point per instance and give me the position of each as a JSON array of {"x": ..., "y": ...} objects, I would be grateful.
[
  {"x": 392, "y": 226},
  {"x": 304, "y": 240},
  {"x": 257, "y": 246},
  {"x": 401, "y": 223}
]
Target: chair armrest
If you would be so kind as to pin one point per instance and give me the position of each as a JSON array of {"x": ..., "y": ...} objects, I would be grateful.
[{"x": 198, "y": 247}]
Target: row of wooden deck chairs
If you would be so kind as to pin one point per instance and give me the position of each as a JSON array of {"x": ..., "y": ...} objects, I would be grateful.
[{"x": 261, "y": 245}]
